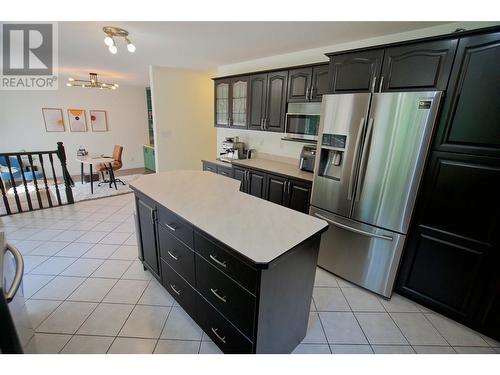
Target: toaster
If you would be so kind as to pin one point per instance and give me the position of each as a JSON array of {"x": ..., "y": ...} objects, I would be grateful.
[{"x": 307, "y": 158}]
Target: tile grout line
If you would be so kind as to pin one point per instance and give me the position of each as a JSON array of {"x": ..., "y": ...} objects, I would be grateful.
[{"x": 356, "y": 318}]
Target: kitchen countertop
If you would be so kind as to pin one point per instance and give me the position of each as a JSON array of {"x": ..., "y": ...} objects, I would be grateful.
[
  {"x": 257, "y": 229},
  {"x": 282, "y": 168},
  {"x": 267, "y": 165}
]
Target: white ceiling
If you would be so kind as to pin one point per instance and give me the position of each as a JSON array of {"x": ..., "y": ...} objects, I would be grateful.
[{"x": 201, "y": 45}]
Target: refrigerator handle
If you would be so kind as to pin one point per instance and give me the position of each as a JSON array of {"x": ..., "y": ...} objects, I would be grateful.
[
  {"x": 9, "y": 296},
  {"x": 364, "y": 158},
  {"x": 350, "y": 189},
  {"x": 355, "y": 230}
]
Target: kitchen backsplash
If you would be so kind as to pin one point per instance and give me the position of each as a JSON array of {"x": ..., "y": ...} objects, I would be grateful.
[{"x": 263, "y": 142}]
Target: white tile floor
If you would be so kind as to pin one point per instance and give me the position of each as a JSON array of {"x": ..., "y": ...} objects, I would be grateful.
[{"x": 87, "y": 293}]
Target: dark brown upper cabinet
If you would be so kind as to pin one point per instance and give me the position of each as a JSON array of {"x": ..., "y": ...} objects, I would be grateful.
[
  {"x": 231, "y": 102},
  {"x": 320, "y": 82},
  {"x": 300, "y": 85},
  {"x": 277, "y": 84},
  {"x": 267, "y": 105},
  {"x": 355, "y": 72},
  {"x": 418, "y": 67},
  {"x": 257, "y": 102},
  {"x": 222, "y": 105},
  {"x": 470, "y": 121},
  {"x": 308, "y": 84}
]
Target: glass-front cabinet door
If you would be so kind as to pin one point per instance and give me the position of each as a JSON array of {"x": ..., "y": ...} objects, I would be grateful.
[
  {"x": 239, "y": 102},
  {"x": 222, "y": 106}
]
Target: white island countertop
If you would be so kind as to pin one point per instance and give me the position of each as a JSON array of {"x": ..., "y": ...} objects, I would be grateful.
[{"x": 257, "y": 229}]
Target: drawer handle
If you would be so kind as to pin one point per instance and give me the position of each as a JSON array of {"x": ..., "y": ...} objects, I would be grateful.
[
  {"x": 215, "y": 292},
  {"x": 171, "y": 227},
  {"x": 214, "y": 258},
  {"x": 172, "y": 255},
  {"x": 178, "y": 292},
  {"x": 221, "y": 338}
]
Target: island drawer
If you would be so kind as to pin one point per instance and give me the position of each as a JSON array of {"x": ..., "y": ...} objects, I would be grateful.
[
  {"x": 177, "y": 226},
  {"x": 222, "y": 332},
  {"x": 234, "y": 302},
  {"x": 225, "y": 262},
  {"x": 176, "y": 254},
  {"x": 182, "y": 292}
]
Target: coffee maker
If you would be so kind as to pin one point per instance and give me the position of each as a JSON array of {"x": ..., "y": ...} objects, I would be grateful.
[{"x": 232, "y": 149}]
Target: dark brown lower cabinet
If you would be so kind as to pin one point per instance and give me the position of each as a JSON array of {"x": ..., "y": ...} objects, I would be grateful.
[
  {"x": 243, "y": 306},
  {"x": 452, "y": 258},
  {"x": 256, "y": 184},
  {"x": 146, "y": 216},
  {"x": 289, "y": 193}
]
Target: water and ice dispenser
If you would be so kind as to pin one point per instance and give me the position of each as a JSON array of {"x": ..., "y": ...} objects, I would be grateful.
[{"x": 332, "y": 156}]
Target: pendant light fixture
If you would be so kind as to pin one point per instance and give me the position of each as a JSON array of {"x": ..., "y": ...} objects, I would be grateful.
[
  {"x": 112, "y": 32},
  {"x": 92, "y": 83}
]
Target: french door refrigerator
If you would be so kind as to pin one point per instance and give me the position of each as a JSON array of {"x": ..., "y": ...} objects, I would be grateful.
[{"x": 372, "y": 150}]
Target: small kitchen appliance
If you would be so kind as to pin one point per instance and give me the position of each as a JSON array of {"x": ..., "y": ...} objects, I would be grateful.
[
  {"x": 307, "y": 158},
  {"x": 232, "y": 149}
]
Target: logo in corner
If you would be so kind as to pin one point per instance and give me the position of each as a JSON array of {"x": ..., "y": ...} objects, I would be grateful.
[{"x": 29, "y": 56}]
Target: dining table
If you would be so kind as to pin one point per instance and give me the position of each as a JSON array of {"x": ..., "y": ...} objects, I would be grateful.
[{"x": 91, "y": 161}]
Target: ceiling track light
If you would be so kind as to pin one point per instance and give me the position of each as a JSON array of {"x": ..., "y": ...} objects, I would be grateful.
[
  {"x": 112, "y": 32},
  {"x": 92, "y": 82}
]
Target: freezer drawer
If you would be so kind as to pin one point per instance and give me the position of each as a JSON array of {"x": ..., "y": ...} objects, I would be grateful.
[{"x": 360, "y": 253}]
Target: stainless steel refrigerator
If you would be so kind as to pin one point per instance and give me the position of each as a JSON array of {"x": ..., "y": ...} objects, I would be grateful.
[{"x": 371, "y": 154}]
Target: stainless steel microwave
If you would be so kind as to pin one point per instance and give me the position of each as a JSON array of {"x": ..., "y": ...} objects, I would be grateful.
[{"x": 302, "y": 121}]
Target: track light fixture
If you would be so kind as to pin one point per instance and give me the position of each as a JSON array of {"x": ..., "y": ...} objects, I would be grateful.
[{"x": 112, "y": 32}]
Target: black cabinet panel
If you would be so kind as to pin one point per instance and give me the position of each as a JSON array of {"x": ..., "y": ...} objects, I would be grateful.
[
  {"x": 239, "y": 174},
  {"x": 299, "y": 84},
  {"x": 257, "y": 184},
  {"x": 462, "y": 196},
  {"x": 277, "y": 84},
  {"x": 299, "y": 196},
  {"x": 176, "y": 254},
  {"x": 225, "y": 171},
  {"x": 222, "y": 333},
  {"x": 146, "y": 217},
  {"x": 355, "y": 72},
  {"x": 444, "y": 273},
  {"x": 230, "y": 299},
  {"x": 320, "y": 83},
  {"x": 178, "y": 227},
  {"x": 209, "y": 166},
  {"x": 419, "y": 67},
  {"x": 179, "y": 288},
  {"x": 257, "y": 101},
  {"x": 276, "y": 189},
  {"x": 471, "y": 114},
  {"x": 220, "y": 258}
]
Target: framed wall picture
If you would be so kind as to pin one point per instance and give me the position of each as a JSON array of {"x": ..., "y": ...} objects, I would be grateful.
[
  {"x": 77, "y": 121},
  {"x": 53, "y": 119},
  {"x": 98, "y": 120}
]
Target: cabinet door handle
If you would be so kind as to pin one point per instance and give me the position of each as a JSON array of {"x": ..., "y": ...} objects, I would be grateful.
[
  {"x": 380, "y": 86},
  {"x": 262, "y": 124},
  {"x": 215, "y": 292},
  {"x": 214, "y": 258},
  {"x": 289, "y": 188},
  {"x": 311, "y": 93},
  {"x": 171, "y": 226},
  {"x": 152, "y": 216},
  {"x": 173, "y": 256},
  {"x": 221, "y": 338},
  {"x": 178, "y": 292},
  {"x": 373, "y": 83},
  {"x": 307, "y": 93}
]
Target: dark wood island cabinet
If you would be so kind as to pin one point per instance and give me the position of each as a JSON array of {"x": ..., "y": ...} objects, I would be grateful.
[{"x": 249, "y": 287}]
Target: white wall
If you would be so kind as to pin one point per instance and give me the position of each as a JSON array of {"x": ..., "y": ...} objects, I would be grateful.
[
  {"x": 183, "y": 116},
  {"x": 22, "y": 125},
  {"x": 271, "y": 142}
]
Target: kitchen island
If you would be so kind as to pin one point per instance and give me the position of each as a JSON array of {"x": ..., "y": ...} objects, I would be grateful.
[{"x": 243, "y": 268}]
